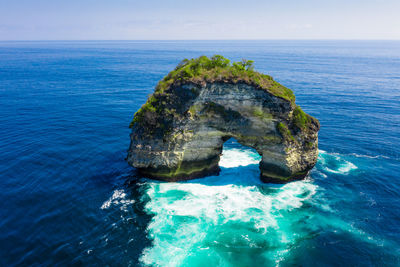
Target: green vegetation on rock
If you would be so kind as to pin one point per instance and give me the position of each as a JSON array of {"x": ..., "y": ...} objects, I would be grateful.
[
  {"x": 300, "y": 118},
  {"x": 208, "y": 70},
  {"x": 178, "y": 133},
  {"x": 260, "y": 113},
  {"x": 220, "y": 69},
  {"x": 285, "y": 132},
  {"x": 309, "y": 145},
  {"x": 148, "y": 106}
]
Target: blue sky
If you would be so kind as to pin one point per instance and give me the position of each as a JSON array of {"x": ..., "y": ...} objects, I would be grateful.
[{"x": 202, "y": 19}]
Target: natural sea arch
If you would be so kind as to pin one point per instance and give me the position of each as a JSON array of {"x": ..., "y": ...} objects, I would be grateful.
[
  {"x": 191, "y": 148},
  {"x": 178, "y": 134}
]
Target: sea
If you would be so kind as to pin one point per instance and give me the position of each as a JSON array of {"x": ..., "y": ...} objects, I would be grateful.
[{"x": 68, "y": 197}]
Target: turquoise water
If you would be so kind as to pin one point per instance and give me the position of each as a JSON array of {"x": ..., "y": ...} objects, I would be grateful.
[{"x": 68, "y": 196}]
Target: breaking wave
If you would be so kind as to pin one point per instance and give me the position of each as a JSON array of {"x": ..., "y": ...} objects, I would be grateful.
[
  {"x": 216, "y": 222},
  {"x": 236, "y": 220},
  {"x": 335, "y": 163},
  {"x": 236, "y": 157}
]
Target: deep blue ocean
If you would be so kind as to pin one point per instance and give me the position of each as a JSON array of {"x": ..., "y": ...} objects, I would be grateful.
[{"x": 69, "y": 198}]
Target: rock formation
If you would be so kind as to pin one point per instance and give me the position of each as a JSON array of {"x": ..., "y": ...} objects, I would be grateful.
[{"x": 179, "y": 132}]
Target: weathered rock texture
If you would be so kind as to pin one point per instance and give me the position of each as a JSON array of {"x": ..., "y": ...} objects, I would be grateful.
[{"x": 179, "y": 133}]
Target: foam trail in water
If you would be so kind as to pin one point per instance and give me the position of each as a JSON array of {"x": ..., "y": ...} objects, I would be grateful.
[
  {"x": 234, "y": 219},
  {"x": 335, "y": 163},
  {"x": 202, "y": 221},
  {"x": 369, "y": 156},
  {"x": 118, "y": 198}
]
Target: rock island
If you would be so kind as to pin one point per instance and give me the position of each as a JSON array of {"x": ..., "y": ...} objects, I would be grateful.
[{"x": 178, "y": 134}]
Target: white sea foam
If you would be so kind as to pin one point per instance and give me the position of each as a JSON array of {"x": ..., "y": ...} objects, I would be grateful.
[
  {"x": 369, "y": 156},
  {"x": 366, "y": 156},
  {"x": 335, "y": 163},
  {"x": 238, "y": 157},
  {"x": 118, "y": 198},
  {"x": 235, "y": 220},
  {"x": 196, "y": 218}
]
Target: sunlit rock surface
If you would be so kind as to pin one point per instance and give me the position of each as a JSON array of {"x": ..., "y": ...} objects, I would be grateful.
[{"x": 178, "y": 134}]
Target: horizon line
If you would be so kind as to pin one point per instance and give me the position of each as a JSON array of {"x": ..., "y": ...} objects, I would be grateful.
[{"x": 177, "y": 40}]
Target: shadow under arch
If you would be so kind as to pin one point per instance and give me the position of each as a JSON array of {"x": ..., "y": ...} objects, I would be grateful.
[{"x": 238, "y": 164}]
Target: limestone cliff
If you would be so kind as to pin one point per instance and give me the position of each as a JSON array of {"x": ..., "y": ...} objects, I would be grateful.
[{"x": 179, "y": 132}]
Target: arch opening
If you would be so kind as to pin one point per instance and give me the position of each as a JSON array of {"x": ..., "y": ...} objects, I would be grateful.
[
  {"x": 187, "y": 141},
  {"x": 235, "y": 154}
]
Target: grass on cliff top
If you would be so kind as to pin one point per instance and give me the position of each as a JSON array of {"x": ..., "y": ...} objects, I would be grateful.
[{"x": 219, "y": 68}]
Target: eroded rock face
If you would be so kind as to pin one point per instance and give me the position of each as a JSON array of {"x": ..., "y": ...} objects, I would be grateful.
[{"x": 181, "y": 135}]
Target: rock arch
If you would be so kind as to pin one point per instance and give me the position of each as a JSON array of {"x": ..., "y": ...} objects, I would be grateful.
[{"x": 179, "y": 133}]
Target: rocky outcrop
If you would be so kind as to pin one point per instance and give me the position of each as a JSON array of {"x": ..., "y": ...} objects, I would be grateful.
[{"x": 180, "y": 131}]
